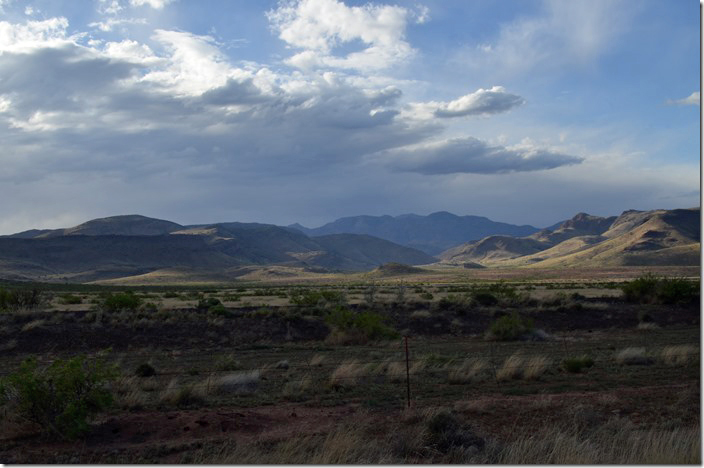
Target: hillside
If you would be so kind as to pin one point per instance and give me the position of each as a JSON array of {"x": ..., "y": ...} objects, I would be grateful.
[
  {"x": 96, "y": 250},
  {"x": 432, "y": 234},
  {"x": 658, "y": 237}
]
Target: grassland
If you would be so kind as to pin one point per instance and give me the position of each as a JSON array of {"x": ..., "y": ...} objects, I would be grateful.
[{"x": 314, "y": 370}]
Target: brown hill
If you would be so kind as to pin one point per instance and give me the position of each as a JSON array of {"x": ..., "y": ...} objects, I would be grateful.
[
  {"x": 87, "y": 253},
  {"x": 658, "y": 237}
]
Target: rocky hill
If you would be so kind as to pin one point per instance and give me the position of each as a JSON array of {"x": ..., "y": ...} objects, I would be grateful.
[{"x": 657, "y": 237}]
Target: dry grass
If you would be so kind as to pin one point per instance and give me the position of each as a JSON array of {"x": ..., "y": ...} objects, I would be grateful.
[
  {"x": 348, "y": 374},
  {"x": 317, "y": 360},
  {"x": 469, "y": 370},
  {"x": 517, "y": 366},
  {"x": 512, "y": 368},
  {"x": 421, "y": 314},
  {"x": 33, "y": 324},
  {"x": 633, "y": 356},
  {"x": 616, "y": 442},
  {"x": 238, "y": 383},
  {"x": 679, "y": 355}
]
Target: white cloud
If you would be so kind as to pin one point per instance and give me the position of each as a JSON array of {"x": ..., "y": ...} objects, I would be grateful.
[
  {"x": 564, "y": 34},
  {"x": 691, "y": 100},
  {"x": 33, "y": 35},
  {"x": 481, "y": 102},
  {"x": 321, "y": 26},
  {"x": 110, "y": 23},
  {"x": 156, "y": 4}
]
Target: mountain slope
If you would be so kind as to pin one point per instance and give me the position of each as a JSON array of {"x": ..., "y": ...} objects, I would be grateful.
[
  {"x": 124, "y": 225},
  {"x": 431, "y": 234},
  {"x": 92, "y": 255},
  {"x": 658, "y": 237}
]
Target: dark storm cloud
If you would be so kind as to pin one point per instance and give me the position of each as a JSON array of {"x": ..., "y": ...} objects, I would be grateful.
[{"x": 470, "y": 155}]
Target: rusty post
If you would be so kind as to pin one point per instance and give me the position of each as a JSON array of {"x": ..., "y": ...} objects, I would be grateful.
[{"x": 408, "y": 378}]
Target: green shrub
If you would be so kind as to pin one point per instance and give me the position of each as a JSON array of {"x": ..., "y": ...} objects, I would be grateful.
[
  {"x": 121, "y": 301},
  {"x": 310, "y": 298},
  {"x": 576, "y": 364},
  {"x": 61, "y": 397},
  {"x": 484, "y": 298},
  {"x": 220, "y": 310},
  {"x": 13, "y": 299},
  {"x": 661, "y": 290},
  {"x": 427, "y": 296},
  {"x": 70, "y": 299},
  {"x": 370, "y": 324},
  {"x": 510, "y": 327},
  {"x": 206, "y": 303}
]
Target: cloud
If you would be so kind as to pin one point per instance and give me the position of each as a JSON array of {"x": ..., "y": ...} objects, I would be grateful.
[
  {"x": 691, "y": 100},
  {"x": 470, "y": 155},
  {"x": 481, "y": 102},
  {"x": 563, "y": 34},
  {"x": 321, "y": 26},
  {"x": 156, "y": 4},
  {"x": 110, "y": 23}
]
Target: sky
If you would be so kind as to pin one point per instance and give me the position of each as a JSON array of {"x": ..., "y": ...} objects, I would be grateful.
[{"x": 306, "y": 111}]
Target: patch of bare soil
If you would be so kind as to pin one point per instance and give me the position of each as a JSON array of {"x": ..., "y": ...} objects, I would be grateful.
[
  {"x": 166, "y": 436},
  {"x": 163, "y": 436}
]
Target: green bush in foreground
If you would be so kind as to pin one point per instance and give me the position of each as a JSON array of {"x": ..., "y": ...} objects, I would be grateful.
[
  {"x": 121, "y": 301},
  {"x": 13, "y": 299},
  {"x": 661, "y": 290},
  {"x": 368, "y": 323},
  {"x": 510, "y": 327},
  {"x": 61, "y": 397}
]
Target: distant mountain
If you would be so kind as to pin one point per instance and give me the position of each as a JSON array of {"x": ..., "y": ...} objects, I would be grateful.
[
  {"x": 657, "y": 237},
  {"x": 109, "y": 248},
  {"x": 432, "y": 234},
  {"x": 126, "y": 225}
]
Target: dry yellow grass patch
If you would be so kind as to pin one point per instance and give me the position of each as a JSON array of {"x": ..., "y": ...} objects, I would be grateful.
[
  {"x": 469, "y": 370},
  {"x": 33, "y": 324},
  {"x": 679, "y": 355},
  {"x": 347, "y": 374}
]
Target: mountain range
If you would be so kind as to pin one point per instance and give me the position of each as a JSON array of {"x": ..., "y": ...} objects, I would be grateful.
[
  {"x": 657, "y": 237},
  {"x": 432, "y": 234},
  {"x": 134, "y": 245}
]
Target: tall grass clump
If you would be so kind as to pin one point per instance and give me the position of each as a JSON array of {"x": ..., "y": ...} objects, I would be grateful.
[
  {"x": 679, "y": 355},
  {"x": 469, "y": 370}
]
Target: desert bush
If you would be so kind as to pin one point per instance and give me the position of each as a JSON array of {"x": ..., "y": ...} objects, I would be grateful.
[
  {"x": 60, "y": 397},
  {"x": 661, "y": 290},
  {"x": 484, "y": 298},
  {"x": 576, "y": 364},
  {"x": 367, "y": 324},
  {"x": 318, "y": 299},
  {"x": 633, "y": 356},
  {"x": 121, "y": 301},
  {"x": 510, "y": 327},
  {"x": 70, "y": 299},
  {"x": 15, "y": 299},
  {"x": 206, "y": 303},
  {"x": 220, "y": 311},
  {"x": 428, "y": 296}
]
